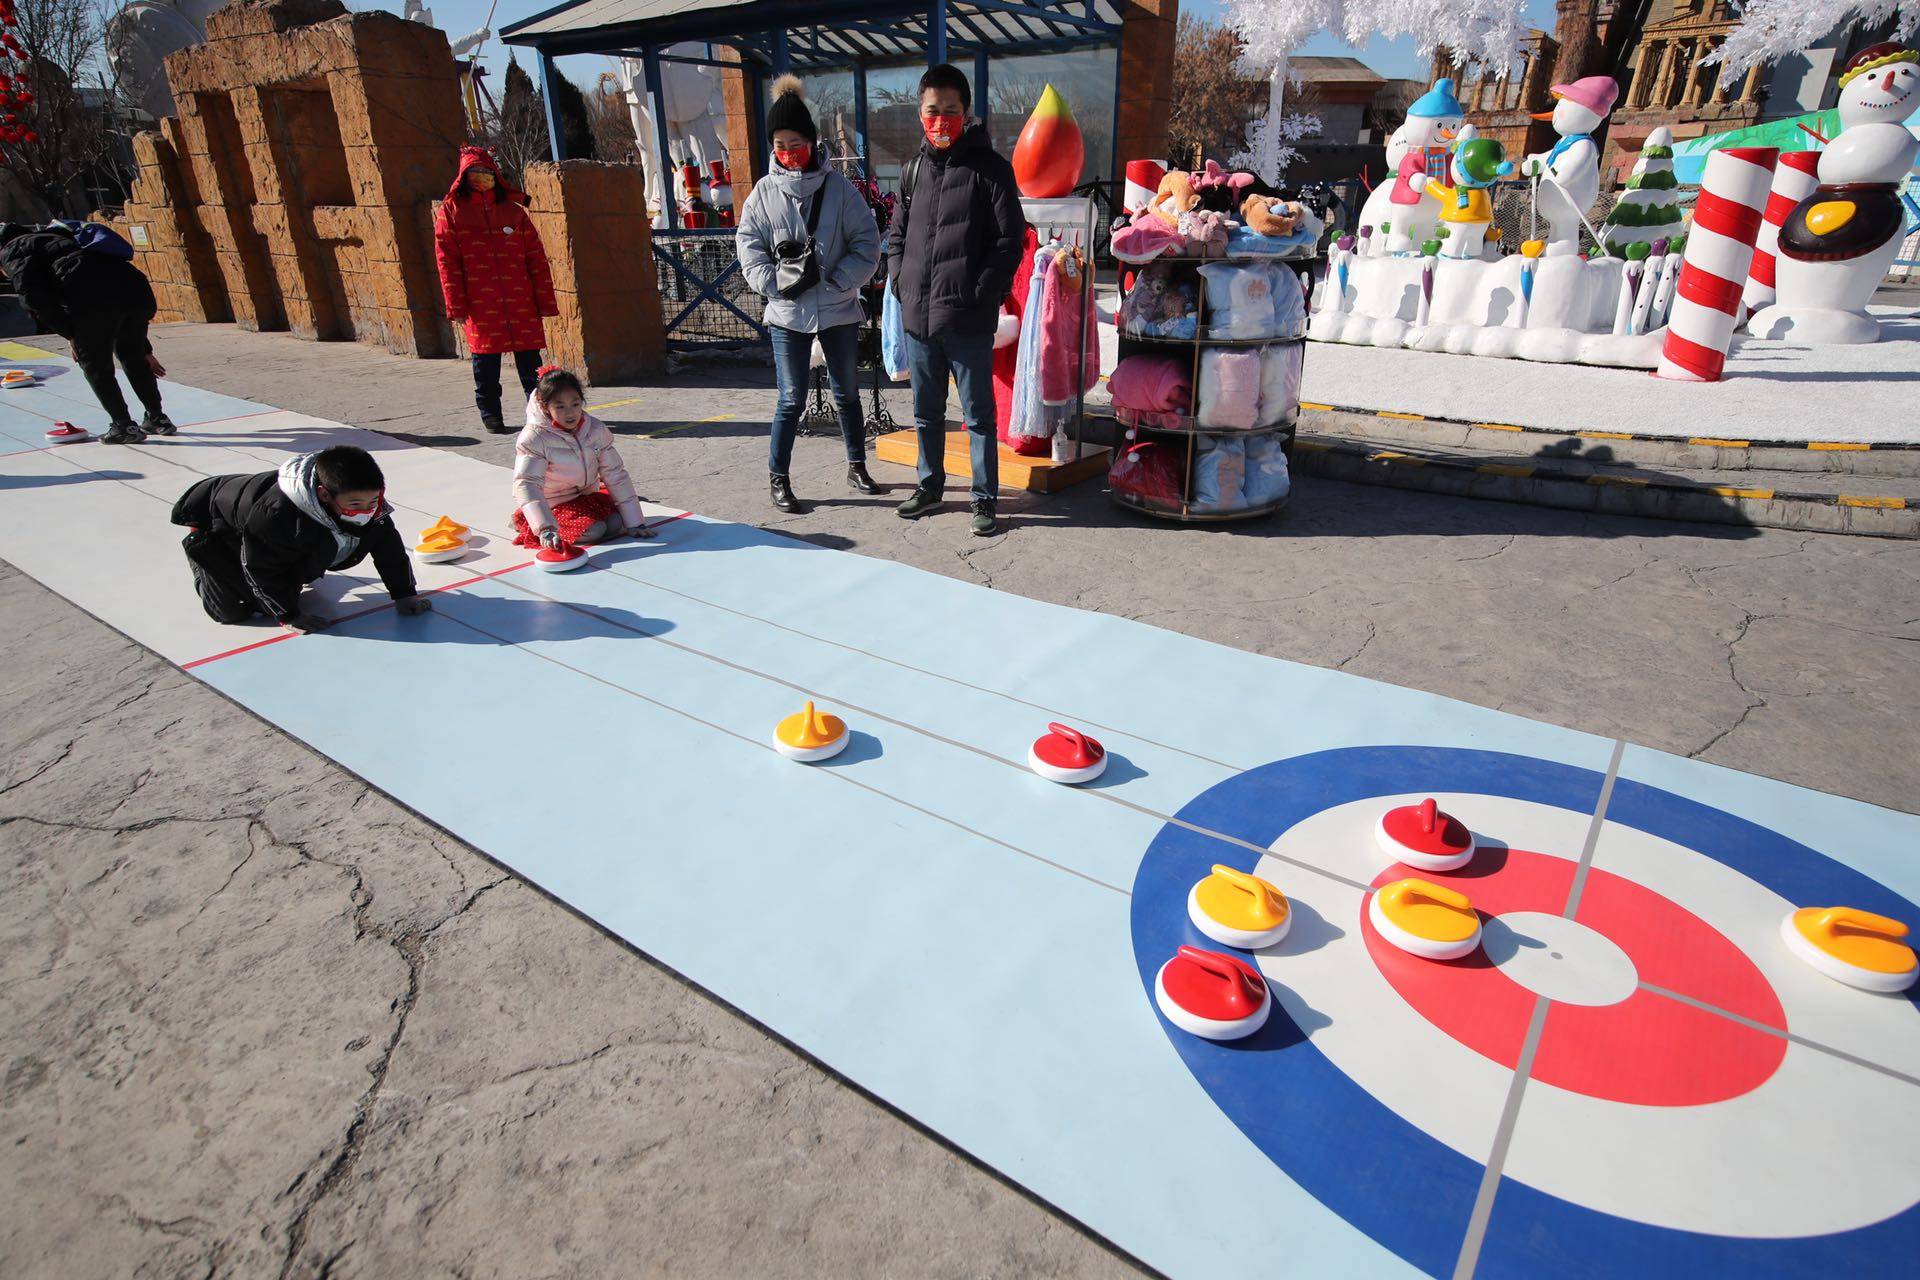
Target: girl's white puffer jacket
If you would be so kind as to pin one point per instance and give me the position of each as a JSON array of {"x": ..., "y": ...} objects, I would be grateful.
[{"x": 552, "y": 466}]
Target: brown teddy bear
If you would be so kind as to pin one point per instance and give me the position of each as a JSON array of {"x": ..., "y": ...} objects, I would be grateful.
[
  {"x": 1269, "y": 215},
  {"x": 1175, "y": 197}
]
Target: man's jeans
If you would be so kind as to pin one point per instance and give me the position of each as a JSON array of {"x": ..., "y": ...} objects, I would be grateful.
[
  {"x": 969, "y": 358},
  {"x": 792, "y": 353}
]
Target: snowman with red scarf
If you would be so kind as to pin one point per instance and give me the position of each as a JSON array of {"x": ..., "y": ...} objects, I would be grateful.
[{"x": 1836, "y": 245}]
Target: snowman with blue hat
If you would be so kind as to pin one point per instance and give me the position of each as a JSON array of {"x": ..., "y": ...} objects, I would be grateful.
[{"x": 1400, "y": 217}]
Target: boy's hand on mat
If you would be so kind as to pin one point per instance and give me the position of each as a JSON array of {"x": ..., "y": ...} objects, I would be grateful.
[
  {"x": 307, "y": 622},
  {"x": 550, "y": 539},
  {"x": 153, "y": 364},
  {"x": 640, "y": 531},
  {"x": 413, "y": 606}
]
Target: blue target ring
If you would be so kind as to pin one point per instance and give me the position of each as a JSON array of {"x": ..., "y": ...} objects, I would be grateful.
[{"x": 1393, "y": 1181}]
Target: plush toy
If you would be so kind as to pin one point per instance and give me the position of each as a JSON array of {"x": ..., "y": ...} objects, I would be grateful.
[
  {"x": 1157, "y": 306},
  {"x": 1175, "y": 197},
  {"x": 1221, "y": 191},
  {"x": 1206, "y": 233},
  {"x": 1272, "y": 216}
]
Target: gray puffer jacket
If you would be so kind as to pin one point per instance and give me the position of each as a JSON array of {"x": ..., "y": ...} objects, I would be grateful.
[{"x": 847, "y": 241}]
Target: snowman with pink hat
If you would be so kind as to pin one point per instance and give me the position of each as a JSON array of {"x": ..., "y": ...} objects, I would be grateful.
[{"x": 1569, "y": 173}]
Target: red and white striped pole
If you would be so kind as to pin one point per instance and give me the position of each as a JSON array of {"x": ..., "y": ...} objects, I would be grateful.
[
  {"x": 1726, "y": 221},
  {"x": 1143, "y": 181},
  {"x": 1794, "y": 179}
]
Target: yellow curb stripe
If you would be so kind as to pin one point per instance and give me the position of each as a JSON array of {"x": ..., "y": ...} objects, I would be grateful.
[
  {"x": 1503, "y": 469},
  {"x": 614, "y": 404},
  {"x": 1603, "y": 435},
  {"x": 1729, "y": 491},
  {"x": 1324, "y": 408},
  {"x": 1837, "y": 446},
  {"x": 1721, "y": 444},
  {"x": 1494, "y": 426},
  {"x": 1877, "y": 504},
  {"x": 1404, "y": 417},
  {"x": 1637, "y": 481}
]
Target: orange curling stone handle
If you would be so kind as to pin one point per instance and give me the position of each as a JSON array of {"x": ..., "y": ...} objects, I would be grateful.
[
  {"x": 1401, "y": 890},
  {"x": 1242, "y": 984},
  {"x": 1833, "y": 921},
  {"x": 1267, "y": 908}
]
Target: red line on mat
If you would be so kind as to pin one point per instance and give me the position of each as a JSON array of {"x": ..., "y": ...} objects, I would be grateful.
[{"x": 290, "y": 633}]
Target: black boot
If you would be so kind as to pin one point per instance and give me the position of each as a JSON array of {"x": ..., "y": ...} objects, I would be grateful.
[
  {"x": 494, "y": 424},
  {"x": 159, "y": 424},
  {"x": 857, "y": 477},
  {"x": 783, "y": 498},
  {"x": 123, "y": 432}
]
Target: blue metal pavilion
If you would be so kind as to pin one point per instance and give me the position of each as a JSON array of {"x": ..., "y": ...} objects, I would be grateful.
[{"x": 772, "y": 37}]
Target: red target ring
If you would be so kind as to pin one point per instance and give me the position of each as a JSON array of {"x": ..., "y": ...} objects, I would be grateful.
[{"x": 1691, "y": 1057}]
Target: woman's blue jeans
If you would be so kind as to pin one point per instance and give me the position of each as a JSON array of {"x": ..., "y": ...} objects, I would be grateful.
[{"x": 791, "y": 352}]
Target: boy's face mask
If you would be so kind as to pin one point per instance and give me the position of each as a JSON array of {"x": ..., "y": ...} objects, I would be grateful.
[{"x": 360, "y": 511}]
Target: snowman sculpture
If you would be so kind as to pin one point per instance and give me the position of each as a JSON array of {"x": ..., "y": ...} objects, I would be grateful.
[
  {"x": 1836, "y": 245},
  {"x": 1401, "y": 219},
  {"x": 1569, "y": 174}
]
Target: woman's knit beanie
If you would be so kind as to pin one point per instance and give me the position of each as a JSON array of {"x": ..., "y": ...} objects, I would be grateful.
[{"x": 789, "y": 109}]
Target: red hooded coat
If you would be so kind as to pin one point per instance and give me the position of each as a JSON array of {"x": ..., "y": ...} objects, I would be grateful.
[{"x": 493, "y": 268}]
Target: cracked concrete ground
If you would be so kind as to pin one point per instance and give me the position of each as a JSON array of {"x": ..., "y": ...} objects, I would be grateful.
[{"x": 259, "y": 1020}]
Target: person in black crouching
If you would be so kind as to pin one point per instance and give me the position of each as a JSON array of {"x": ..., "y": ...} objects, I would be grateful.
[{"x": 256, "y": 541}]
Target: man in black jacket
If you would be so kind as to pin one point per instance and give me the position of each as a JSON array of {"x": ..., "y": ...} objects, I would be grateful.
[
  {"x": 954, "y": 246},
  {"x": 102, "y": 304},
  {"x": 255, "y": 541}
]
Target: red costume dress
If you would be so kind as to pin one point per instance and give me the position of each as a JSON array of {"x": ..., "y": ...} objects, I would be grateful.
[{"x": 493, "y": 269}]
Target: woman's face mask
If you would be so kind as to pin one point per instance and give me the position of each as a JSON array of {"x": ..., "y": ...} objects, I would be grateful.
[
  {"x": 796, "y": 156},
  {"x": 480, "y": 179}
]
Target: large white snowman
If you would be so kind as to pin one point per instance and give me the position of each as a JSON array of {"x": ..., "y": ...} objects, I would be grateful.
[
  {"x": 1836, "y": 245},
  {"x": 1401, "y": 219},
  {"x": 1569, "y": 173}
]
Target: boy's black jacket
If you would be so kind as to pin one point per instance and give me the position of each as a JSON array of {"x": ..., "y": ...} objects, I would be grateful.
[{"x": 281, "y": 548}]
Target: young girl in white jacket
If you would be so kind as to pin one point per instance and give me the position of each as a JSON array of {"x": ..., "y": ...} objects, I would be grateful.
[{"x": 569, "y": 483}]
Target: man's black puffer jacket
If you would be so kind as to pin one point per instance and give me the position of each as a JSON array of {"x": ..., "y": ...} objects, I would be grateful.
[{"x": 957, "y": 238}]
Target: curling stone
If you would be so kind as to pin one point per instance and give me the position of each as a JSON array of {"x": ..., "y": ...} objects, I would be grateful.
[
  {"x": 1422, "y": 837},
  {"x": 445, "y": 525},
  {"x": 67, "y": 433},
  {"x": 437, "y": 548},
  {"x": 1425, "y": 920},
  {"x": 1215, "y": 996},
  {"x": 1239, "y": 910},
  {"x": 1067, "y": 755},
  {"x": 811, "y": 736},
  {"x": 564, "y": 560},
  {"x": 1858, "y": 948},
  {"x": 15, "y": 379}
]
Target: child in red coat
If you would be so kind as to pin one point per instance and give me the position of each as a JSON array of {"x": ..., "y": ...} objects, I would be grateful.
[{"x": 494, "y": 273}]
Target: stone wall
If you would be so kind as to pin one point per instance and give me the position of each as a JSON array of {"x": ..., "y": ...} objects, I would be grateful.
[
  {"x": 592, "y": 218},
  {"x": 295, "y": 191}
]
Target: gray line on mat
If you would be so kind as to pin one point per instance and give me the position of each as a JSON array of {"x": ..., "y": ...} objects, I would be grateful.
[
  {"x": 1593, "y": 830},
  {"x": 1476, "y": 1233},
  {"x": 1789, "y": 1036}
]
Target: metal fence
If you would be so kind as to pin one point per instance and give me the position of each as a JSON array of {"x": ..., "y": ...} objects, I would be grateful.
[{"x": 704, "y": 299}]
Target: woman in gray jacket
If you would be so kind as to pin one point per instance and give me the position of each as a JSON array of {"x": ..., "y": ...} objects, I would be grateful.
[{"x": 847, "y": 249}]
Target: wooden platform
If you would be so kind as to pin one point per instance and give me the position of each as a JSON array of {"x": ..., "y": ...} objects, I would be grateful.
[{"x": 1034, "y": 475}]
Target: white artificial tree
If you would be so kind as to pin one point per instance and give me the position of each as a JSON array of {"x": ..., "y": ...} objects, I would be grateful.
[
  {"x": 1485, "y": 31},
  {"x": 1770, "y": 30}
]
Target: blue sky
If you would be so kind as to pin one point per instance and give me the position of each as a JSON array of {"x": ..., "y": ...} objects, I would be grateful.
[{"x": 457, "y": 17}]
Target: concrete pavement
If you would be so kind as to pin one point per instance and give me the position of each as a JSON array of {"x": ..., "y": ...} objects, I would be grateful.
[{"x": 261, "y": 1021}]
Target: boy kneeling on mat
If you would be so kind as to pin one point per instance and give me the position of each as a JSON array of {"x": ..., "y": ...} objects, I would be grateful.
[{"x": 255, "y": 541}]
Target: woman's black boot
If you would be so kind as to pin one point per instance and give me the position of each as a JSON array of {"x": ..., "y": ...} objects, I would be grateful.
[
  {"x": 783, "y": 498},
  {"x": 857, "y": 477}
]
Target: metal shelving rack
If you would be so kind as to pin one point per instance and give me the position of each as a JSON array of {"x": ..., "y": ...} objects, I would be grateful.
[{"x": 1132, "y": 425}]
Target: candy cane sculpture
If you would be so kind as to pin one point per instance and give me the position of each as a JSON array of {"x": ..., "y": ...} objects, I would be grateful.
[
  {"x": 1719, "y": 249},
  {"x": 1794, "y": 179}
]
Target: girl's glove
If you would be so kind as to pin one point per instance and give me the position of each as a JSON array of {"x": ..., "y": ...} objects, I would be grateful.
[{"x": 550, "y": 539}]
